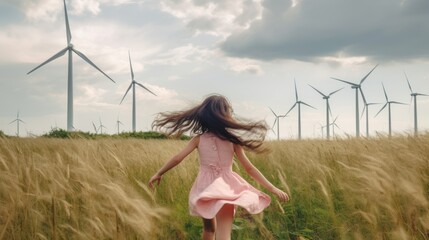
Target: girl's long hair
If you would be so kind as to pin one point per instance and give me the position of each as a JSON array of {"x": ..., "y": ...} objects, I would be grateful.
[{"x": 213, "y": 115}]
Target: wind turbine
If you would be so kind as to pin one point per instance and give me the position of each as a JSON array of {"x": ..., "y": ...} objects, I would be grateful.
[
  {"x": 133, "y": 83},
  {"x": 70, "y": 48},
  {"x": 366, "y": 107},
  {"x": 278, "y": 122},
  {"x": 17, "y": 120},
  {"x": 101, "y": 127},
  {"x": 118, "y": 123},
  {"x": 357, "y": 88},
  {"x": 388, "y": 104},
  {"x": 334, "y": 124},
  {"x": 328, "y": 108},
  {"x": 414, "y": 98},
  {"x": 298, "y": 102}
]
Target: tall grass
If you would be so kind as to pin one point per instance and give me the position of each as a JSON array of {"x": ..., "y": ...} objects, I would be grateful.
[{"x": 96, "y": 189}]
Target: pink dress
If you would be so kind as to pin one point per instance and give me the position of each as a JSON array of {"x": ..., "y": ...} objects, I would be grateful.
[{"x": 216, "y": 183}]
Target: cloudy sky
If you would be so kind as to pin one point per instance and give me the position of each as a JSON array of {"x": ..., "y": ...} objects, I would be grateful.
[{"x": 248, "y": 50}]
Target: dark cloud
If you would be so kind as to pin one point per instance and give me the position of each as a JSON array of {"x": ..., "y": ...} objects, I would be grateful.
[{"x": 380, "y": 30}]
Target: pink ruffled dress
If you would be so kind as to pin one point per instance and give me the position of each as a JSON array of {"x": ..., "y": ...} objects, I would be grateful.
[{"x": 216, "y": 183}]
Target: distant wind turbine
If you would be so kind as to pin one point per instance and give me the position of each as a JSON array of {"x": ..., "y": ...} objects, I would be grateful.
[
  {"x": 118, "y": 123},
  {"x": 358, "y": 88},
  {"x": 328, "y": 108},
  {"x": 278, "y": 123},
  {"x": 388, "y": 104},
  {"x": 70, "y": 48},
  {"x": 366, "y": 110},
  {"x": 133, "y": 83},
  {"x": 414, "y": 98},
  {"x": 100, "y": 128},
  {"x": 334, "y": 125},
  {"x": 298, "y": 102},
  {"x": 17, "y": 120}
]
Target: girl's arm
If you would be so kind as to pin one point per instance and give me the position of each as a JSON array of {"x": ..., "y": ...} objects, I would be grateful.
[
  {"x": 257, "y": 175},
  {"x": 174, "y": 161}
]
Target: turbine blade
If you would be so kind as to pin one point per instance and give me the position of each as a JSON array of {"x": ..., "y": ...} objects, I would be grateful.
[
  {"x": 409, "y": 85},
  {"x": 126, "y": 92},
  {"x": 363, "y": 96},
  {"x": 57, "y": 55},
  {"x": 385, "y": 94},
  {"x": 69, "y": 36},
  {"x": 91, "y": 63},
  {"x": 381, "y": 110},
  {"x": 291, "y": 108},
  {"x": 363, "y": 111},
  {"x": 329, "y": 109},
  {"x": 317, "y": 91},
  {"x": 13, "y": 121},
  {"x": 95, "y": 128},
  {"x": 398, "y": 103},
  {"x": 273, "y": 112},
  {"x": 308, "y": 105},
  {"x": 353, "y": 84},
  {"x": 131, "y": 66},
  {"x": 272, "y": 127},
  {"x": 335, "y": 120},
  {"x": 363, "y": 79},
  {"x": 145, "y": 88},
  {"x": 422, "y": 94},
  {"x": 334, "y": 92},
  {"x": 296, "y": 91}
]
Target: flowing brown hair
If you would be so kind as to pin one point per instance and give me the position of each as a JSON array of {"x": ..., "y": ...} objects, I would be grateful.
[{"x": 213, "y": 115}]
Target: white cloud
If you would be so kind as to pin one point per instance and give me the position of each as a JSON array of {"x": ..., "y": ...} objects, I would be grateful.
[
  {"x": 182, "y": 54},
  {"x": 218, "y": 18},
  {"x": 244, "y": 65}
]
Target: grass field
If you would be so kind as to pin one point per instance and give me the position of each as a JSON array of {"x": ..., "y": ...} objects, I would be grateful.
[{"x": 96, "y": 189}]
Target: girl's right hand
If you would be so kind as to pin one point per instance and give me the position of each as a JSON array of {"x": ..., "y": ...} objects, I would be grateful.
[
  {"x": 155, "y": 178},
  {"x": 280, "y": 194}
]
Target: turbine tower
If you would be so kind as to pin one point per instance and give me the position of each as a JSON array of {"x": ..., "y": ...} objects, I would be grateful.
[
  {"x": 328, "y": 108},
  {"x": 17, "y": 120},
  {"x": 70, "y": 49},
  {"x": 357, "y": 88},
  {"x": 101, "y": 127},
  {"x": 132, "y": 84},
  {"x": 278, "y": 123},
  {"x": 389, "y": 109},
  {"x": 298, "y": 102},
  {"x": 414, "y": 98}
]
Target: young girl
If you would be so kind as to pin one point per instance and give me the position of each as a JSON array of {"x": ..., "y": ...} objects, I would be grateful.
[{"x": 217, "y": 189}]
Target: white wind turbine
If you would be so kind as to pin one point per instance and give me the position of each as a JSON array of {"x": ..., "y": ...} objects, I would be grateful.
[
  {"x": 414, "y": 98},
  {"x": 298, "y": 102},
  {"x": 328, "y": 108},
  {"x": 17, "y": 120},
  {"x": 366, "y": 110},
  {"x": 132, "y": 84},
  {"x": 388, "y": 105},
  {"x": 357, "y": 88},
  {"x": 118, "y": 123},
  {"x": 278, "y": 122},
  {"x": 334, "y": 125},
  {"x": 100, "y": 128},
  {"x": 70, "y": 48}
]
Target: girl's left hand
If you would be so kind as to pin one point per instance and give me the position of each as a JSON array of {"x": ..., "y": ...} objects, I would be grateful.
[
  {"x": 281, "y": 195},
  {"x": 154, "y": 178}
]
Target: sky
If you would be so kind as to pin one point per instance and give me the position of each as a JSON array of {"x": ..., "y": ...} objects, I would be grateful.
[{"x": 250, "y": 51}]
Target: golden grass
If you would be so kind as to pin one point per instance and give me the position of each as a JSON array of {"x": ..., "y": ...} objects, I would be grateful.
[{"x": 96, "y": 189}]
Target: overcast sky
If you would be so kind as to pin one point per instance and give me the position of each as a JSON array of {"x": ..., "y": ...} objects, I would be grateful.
[{"x": 248, "y": 50}]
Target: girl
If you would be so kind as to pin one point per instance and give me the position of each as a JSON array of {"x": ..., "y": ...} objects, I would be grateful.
[{"x": 217, "y": 189}]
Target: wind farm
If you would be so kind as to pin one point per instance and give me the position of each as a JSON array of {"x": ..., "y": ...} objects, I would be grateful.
[{"x": 76, "y": 158}]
